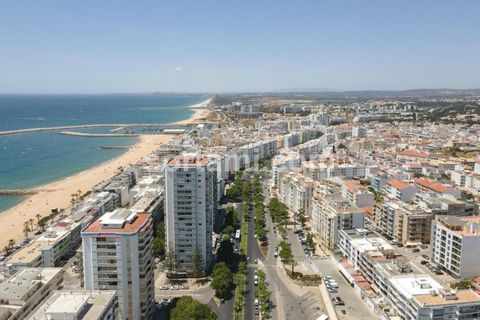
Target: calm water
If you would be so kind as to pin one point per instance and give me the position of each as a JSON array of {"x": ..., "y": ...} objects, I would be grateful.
[{"x": 30, "y": 160}]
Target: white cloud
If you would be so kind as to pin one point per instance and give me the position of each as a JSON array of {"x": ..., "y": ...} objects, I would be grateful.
[{"x": 177, "y": 69}]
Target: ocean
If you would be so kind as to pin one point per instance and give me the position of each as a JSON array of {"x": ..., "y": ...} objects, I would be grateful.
[{"x": 33, "y": 159}]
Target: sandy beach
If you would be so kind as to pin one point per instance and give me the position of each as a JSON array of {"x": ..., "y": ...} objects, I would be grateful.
[{"x": 59, "y": 192}]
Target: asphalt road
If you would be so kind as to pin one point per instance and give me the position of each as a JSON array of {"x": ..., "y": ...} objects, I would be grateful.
[{"x": 253, "y": 253}]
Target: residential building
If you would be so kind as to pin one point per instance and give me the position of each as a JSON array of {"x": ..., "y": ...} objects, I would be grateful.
[
  {"x": 78, "y": 305},
  {"x": 296, "y": 192},
  {"x": 330, "y": 214},
  {"x": 190, "y": 205},
  {"x": 454, "y": 240},
  {"x": 400, "y": 190},
  {"x": 438, "y": 188},
  {"x": 118, "y": 255},
  {"x": 26, "y": 289},
  {"x": 358, "y": 194}
]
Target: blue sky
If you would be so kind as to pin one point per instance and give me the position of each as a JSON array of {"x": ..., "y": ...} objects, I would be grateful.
[{"x": 200, "y": 45}]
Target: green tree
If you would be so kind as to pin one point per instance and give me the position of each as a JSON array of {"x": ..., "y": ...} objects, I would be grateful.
[
  {"x": 225, "y": 252},
  {"x": 286, "y": 255},
  {"x": 222, "y": 280},
  {"x": 228, "y": 230},
  {"x": 197, "y": 264},
  {"x": 170, "y": 260},
  {"x": 311, "y": 242},
  {"x": 158, "y": 247},
  {"x": 187, "y": 308},
  {"x": 302, "y": 219}
]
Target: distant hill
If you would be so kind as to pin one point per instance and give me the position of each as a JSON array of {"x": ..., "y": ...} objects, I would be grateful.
[{"x": 325, "y": 93}]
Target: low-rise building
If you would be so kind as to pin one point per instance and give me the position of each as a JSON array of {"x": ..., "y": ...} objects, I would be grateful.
[
  {"x": 400, "y": 190},
  {"x": 77, "y": 305},
  {"x": 26, "y": 289}
]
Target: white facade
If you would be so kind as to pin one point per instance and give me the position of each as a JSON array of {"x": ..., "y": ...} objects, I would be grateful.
[
  {"x": 190, "y": 205},
  {"x": 330, "y": 214},
  {"x": 454, "y": 240},
  {"x": 118, "y": 255}
]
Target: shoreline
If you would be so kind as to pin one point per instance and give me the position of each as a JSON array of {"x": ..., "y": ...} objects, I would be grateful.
[{"x": 58, "y": 194}]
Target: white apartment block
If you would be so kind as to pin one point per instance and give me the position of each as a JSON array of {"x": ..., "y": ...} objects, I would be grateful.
[
  {"x": 355, "y": 242},
  {"x": 359, "y": 132},
  {"x": 77, "y": 305},
  {"x": 253, "y": 152},
  {"x": 118, "y": 255},
  {"x": 414, "y": 296},
  {"x": 190, "y": 205},
  {"x": 455, "y": 240},
  {"x": 400, "y": 190},
  {"x": 296, "y": 192},
  {"x": 320, "y": 171},
  {"x": 286, "y": 161},
  {"x": 358, "y": 194},
  {"x": 465, "y": 179},
  {"x": 26, "y": 289},
  {"x": 330, "y": 214}
]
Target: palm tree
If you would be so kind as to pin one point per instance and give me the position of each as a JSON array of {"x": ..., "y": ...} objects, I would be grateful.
[
  {"x": 31, "y": 223},
  {"x": 6, "y": 249},
  {"x": 38, "y": 216},
  {"x": 26, "y": 230},
  {"x": 11, "y": 243},
  {"x": 41, "y": 225}
]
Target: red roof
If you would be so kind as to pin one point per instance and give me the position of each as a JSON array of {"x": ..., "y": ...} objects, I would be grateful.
[
  {"x": 435, "y": 186},
  {"x": 134, "y": 226},
  {"x": 413, "y": 153},
  {"x": 399, "y": 184},
  {"x": 353, "y": 185}
]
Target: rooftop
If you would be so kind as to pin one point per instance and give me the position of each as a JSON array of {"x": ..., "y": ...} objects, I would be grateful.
[
  {"x": 118, "y": 222},
  {"x": 188, "y": 160},
  {"x": 413, "y": 285},
  {"x": 414, "y": 153},
  {"x": 82, "y": 305},
  {"x": 432, "y": 185},
  {"x": 21, "y": 285},
  {"x": 399, "y": 184},
  {"x": 448, "y": 297}
]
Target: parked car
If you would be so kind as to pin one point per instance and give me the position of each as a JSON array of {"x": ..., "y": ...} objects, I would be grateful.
[{"x": 163, "y": 287}]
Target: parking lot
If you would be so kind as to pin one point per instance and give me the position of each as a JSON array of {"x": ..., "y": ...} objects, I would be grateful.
[
  {"x": 423, "y": 254},
  {"x": 355, "y": 307}
]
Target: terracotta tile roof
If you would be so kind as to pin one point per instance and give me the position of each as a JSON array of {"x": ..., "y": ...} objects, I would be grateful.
[
  {"x": 353, "y": 185},
  {"x": 435, "y": 186},
  {"x": 134, "y": 226},
  {"x": 413, "y": 153},
  {"x": 399, "y": 184}
]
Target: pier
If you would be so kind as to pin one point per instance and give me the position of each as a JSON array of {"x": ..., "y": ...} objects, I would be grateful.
[
  {"x": 18, "y": 192},
  {"x": 117, "y": 127}
]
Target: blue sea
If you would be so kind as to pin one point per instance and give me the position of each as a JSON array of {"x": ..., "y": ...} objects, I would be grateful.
[{"x": 33, "y": 159}]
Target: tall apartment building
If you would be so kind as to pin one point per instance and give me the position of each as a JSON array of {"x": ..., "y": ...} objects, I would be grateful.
[
  {"x": 455, "y": 241},
  {"x": 408, "y": 224},
  {"x": 330, "y": 214},
  {"x": 118, "y": 255},
  {"x": 190, "y": 204},
  {"x": 296, "y": 192}
]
